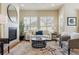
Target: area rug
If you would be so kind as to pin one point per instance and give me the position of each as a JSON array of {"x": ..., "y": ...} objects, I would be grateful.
[
  {"x": 25, "y": 48},
  {"x": 48, "y": 49},
  {"x": 43, "y": 51}
]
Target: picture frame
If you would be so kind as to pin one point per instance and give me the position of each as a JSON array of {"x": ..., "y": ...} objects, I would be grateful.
[{"x": 71, "y": 21}]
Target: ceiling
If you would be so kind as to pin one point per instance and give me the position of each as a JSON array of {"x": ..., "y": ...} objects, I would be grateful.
[{"x": 40, "y": 6}]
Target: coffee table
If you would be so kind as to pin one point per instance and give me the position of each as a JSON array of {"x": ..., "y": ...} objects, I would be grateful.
[{"x": 39, "y": 41}]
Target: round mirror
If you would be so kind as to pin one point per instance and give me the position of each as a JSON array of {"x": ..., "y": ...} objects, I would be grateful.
[{"x": 12, "y": 13}]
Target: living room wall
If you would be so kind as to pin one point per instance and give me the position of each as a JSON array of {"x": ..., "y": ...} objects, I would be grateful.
[
  {"x": 38, "y": 13},
  {"x": 0, "y": 24},
  {"x": 61, "y": 19},
  {"x": 70, "y": 10},
  {"x": 4, "y": 27},
  {"x": 78, "y": 20},
  {"x": 0, "y": 8}
]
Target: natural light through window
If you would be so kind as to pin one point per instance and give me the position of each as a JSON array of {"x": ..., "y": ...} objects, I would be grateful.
[{"x": 38, "y": 23}]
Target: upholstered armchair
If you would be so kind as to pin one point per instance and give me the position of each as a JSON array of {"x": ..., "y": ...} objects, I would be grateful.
[
  {"x": 70, "y": 42},
  {"x": 73, "y": 44},
  {"x": 64, "y": 38}
]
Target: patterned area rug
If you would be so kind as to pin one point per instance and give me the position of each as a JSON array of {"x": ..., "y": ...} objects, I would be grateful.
[
  {"x": 25, "y": 48},
  {"x": 48, "y": 49}
]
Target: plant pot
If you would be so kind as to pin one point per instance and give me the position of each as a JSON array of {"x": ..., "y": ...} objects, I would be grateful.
[{"x": 22, "y": 37}]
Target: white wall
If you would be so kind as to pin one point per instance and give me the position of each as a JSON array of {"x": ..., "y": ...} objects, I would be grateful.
[
  {"x": 0, "y": 8},
  {"x": 70, "y": 10},
  {"x": 4, "y": 27},
  {"x": 61, "y": 19}
]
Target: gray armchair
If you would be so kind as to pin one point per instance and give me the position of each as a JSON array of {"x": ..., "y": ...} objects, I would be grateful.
[
  {"x": 73, "y": 44},
  {"x": 66, "y": 41},
  {"x": 64, "y": 38}
]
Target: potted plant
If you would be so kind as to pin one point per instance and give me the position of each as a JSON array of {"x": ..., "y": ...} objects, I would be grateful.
[{"x": 21, "y": 28}]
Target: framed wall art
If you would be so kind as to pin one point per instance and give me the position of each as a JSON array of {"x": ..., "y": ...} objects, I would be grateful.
[{"x": 71, "y": 21}]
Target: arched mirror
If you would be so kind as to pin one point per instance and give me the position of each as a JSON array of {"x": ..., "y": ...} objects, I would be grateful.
[{"x": 12, "y": 13}]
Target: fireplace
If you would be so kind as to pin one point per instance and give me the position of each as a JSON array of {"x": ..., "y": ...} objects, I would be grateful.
[{"x": 12, "y": 33}]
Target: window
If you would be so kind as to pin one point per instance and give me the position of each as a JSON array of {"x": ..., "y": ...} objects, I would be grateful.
[
  {"x": 49, "y": 21},
  {"x": 35, "y": 23},
  {"x": 26, "y": 23},
  {"x": 46, "y": 22},
  {"x": 43, "y": 21},
  {"x": 30, "y": 23}
]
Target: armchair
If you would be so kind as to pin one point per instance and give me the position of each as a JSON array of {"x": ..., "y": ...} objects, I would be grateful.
[
  {"x": 70, "y": 42},
  {"x": 73, "y": 44}
]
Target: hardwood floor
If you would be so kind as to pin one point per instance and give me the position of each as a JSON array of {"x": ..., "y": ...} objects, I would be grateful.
[{"x": 52, "y": 48}]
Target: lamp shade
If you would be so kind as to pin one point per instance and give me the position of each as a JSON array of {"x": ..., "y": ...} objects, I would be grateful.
[{"x": 3, "y": 19}]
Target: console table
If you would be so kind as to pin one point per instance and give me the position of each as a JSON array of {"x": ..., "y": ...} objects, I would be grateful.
[{"x": 2, "y": 42}]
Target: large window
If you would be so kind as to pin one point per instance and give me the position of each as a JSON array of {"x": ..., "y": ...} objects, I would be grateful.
[
  {"x": 26, "y": 23},
  {"x": 46, "y": 22},
  {"x": 38, "y": 23},
  {"x": 30, "y": 23}
]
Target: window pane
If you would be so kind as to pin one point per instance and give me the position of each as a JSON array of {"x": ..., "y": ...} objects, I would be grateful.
[
  {"x": 49, "y": 21},
  {"x": 33, "y": 28},
  {"x": 26, "y": 28},
  {"x": 43, "y": 21},
  {"x": 49, "y": 28},
  {"x": 43, "y": 28},
  {"x": 34, "y": 21},
  {"x": 27, "y": 21}
]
